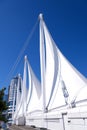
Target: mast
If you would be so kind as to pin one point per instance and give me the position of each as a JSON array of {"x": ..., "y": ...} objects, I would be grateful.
[
  {"x": 42, "y": 60},
  {"x": 24, "y": 91}
]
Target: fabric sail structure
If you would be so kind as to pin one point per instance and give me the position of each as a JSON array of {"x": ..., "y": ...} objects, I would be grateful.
[
  {"x": 58, "y": 73},
  {"x": 21, "y": 110},
  {"x": 29, "y": 100},
  {"x": 81, "y": 95},
  {"x": 34, "y": 96},
  {"x": 61, "y": 83}
]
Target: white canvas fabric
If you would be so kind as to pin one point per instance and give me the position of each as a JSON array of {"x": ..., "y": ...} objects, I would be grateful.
[
  {"x": 58, "y": 68},
  {"x": 21, "y": 110},
  {"x": 60, "y": 80},
  {"x": 35, "y": 101}
]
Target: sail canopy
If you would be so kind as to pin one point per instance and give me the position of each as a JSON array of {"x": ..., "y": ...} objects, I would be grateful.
[
  {"x": 34, "y": 99},
  {"x": 60, "y": 80},
  {"x": 58, "y": 72}
]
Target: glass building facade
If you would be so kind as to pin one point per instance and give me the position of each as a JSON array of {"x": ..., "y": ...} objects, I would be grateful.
[{"x": 12, "y": 94}]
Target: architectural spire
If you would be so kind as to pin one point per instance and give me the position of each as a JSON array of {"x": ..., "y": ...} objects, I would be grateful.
[
  {"x": 25, "y": 58},
  {"x": 40, "y": 16}
]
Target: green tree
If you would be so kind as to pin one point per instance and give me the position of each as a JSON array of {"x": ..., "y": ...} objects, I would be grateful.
[{"x": 3, "y": 105}]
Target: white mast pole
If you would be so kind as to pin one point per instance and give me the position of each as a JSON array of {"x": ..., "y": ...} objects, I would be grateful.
[
  {"x": 42, "y": 60},
  {"x": 24, "y": 85}
]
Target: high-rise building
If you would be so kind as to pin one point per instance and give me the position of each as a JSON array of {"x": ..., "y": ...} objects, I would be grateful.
[{"x": 12, "y": 95}]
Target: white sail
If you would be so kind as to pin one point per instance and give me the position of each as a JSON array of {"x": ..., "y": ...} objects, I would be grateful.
[
  {"x": 46, "y": 105},
  {"x": 58, "y": 70},
  {"x": 34, "y": 103},
  {"x": 73, "y": 79},
  {"x": 52, "y": 72},
  {"x": 23, "y": 101},
  {"x": 30, "y": 86},
  {"x": 81, "y": 95},
  {"x": 42, "y": 62}
]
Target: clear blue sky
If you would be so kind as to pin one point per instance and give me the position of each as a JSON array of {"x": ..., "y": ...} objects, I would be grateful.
[{"x": 66, "y": 21}]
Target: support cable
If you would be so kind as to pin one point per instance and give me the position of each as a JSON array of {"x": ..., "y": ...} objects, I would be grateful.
[{"x": 22, "y": 51}]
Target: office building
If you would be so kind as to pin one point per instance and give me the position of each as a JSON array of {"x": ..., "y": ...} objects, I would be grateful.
[{"x": 12, "y": 94}]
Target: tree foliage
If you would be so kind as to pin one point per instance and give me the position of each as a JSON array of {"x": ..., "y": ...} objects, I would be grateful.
[{"x": 3, "y": 105}]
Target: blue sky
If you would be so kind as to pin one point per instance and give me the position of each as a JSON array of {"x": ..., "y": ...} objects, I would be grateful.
[{"x": 66, "y": 21}]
